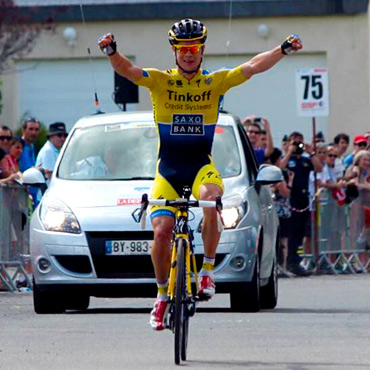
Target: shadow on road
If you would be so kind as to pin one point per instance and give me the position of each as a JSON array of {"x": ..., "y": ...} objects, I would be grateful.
[
  {"x": 271, "y": 365},
  {"x": 146, "y": 310},
  {"x": 138, "y": 310},
  {"x": 317, "y": 311}
]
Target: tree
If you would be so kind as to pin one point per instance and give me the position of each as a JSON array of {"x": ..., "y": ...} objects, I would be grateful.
[{"x": 19, "y": 31}]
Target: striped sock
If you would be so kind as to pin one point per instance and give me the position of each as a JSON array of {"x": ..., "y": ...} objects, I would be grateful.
[
  {"x": 162, "y": 291},
  {"x": 207, "y": 267}
]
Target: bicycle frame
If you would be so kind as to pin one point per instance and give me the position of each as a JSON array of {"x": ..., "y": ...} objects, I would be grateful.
[{"x": 183, "y": 231}]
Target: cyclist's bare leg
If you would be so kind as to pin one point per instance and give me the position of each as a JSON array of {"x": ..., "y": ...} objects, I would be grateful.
[
  {"x": 161, "y": 251},
  {"x": 161, "y": 257},
  {"x": 210, "y": 233}
]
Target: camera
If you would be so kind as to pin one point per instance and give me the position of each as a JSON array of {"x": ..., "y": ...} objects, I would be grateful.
[{"x": 299, "y": 147}]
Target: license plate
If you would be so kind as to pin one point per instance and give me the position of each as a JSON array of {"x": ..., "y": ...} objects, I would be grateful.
[{"x": 128, "y": 247}]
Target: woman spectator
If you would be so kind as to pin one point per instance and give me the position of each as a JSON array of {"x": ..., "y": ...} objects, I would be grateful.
[
  {"x": 10, "y": 163},
  {"x": 359, "y": 172},
  {"x": 359, "y": 175}
]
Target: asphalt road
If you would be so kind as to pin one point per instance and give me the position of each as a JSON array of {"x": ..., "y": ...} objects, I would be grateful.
[{"x": 320, "y": 323}]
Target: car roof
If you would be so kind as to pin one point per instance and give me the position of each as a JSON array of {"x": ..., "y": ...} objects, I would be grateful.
[{"x": 126, "y": 117}]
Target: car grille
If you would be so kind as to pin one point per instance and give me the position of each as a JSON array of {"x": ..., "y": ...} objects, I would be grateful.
[{"x": 126, "y": 267}]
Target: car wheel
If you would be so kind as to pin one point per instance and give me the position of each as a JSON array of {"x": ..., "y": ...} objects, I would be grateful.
[
  {"x": 246, "y": 296},
  {"x": 77, "y": 302},
  {"x": 269, "y": 292},
  {"x": 47, "y": 301}
]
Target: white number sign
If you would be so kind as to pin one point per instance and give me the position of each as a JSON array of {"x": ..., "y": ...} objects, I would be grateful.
[{"x": 312, "y": 92}]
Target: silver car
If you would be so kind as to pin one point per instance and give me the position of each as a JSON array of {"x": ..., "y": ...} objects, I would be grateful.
[{"x": 84, "y": 241}]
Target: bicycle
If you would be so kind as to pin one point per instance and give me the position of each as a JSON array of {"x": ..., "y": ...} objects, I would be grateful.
[{"x": 182, "y": 294}]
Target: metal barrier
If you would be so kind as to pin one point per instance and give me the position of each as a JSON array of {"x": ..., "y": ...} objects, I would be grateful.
[
  {"x": 14, "y": 245},
  {"x": 342, "y": 234}
]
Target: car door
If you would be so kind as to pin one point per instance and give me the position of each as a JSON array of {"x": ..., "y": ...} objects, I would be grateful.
[{"x": 265, "y": 204}]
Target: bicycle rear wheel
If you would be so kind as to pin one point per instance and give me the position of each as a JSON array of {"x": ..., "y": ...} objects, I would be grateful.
[{"x": 180, "y": 296}]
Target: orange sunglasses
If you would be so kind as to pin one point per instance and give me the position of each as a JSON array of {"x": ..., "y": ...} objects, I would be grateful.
[{"x": 184, "y": 49}]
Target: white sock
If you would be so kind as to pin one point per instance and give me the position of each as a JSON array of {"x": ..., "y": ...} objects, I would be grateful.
[
  {"x": 207, "y": 267},
  {"x": 162, "y": 291}
]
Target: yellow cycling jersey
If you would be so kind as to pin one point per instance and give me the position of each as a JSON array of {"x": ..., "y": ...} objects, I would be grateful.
[{"x": 186, "y": 112}]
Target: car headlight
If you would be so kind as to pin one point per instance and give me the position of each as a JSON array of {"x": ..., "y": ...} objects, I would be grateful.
[
  {"x": 57, "y": 216},
  {"x": 231, "y": 216}
]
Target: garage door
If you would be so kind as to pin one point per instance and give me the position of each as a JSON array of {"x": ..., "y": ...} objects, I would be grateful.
[
  {"x": 272, "y": 94},
  {"x": 63, "y": 90}
]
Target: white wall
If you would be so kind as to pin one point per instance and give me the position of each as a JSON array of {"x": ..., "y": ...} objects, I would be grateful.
[
  {"x": 272, "y": 94},
  {"x": 342, "y": 42}
]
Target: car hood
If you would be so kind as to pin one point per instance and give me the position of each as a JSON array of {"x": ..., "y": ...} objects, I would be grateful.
[
  {"x": 107, "y": 205},
  {"x": 91, "y": 194}
]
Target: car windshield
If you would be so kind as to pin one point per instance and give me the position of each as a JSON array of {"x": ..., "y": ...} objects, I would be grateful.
[{"x": 128, "y": 151}]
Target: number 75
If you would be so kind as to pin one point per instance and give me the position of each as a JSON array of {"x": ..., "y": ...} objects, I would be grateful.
[{"x": 313, "y": 84}]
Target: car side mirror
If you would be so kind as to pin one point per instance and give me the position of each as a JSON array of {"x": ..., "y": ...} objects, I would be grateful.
[
  {"x": 269, "y": 174},
  {"x": 34, "y": 177}
]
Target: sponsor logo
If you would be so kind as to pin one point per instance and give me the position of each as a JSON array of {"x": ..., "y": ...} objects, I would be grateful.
[
  {"x": 188, "y": 97},
  {"x": 171, "y": 82},
  {"x": 178, "y": 83},
  {"x": 208, "y": 80},
  {"x": 128, "y": 201},
  {"x": 187, "y": 124}
]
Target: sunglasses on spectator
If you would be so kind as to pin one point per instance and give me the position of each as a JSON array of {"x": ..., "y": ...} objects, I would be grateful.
[
  {"x": 60, "y": 135},
  {"x": 184, "y": 49},
  {"x": 332, "y": 155},
  {"x": 254, "y": 132},
  {"x": 362, "y": 145},
  {"x": 6, "y": 138}
]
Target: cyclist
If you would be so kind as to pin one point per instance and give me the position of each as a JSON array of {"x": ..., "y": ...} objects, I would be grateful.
[{"x": 186, "y": 102}]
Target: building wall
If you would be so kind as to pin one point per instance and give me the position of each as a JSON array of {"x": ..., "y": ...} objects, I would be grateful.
[{"x": 344, "y": 40}]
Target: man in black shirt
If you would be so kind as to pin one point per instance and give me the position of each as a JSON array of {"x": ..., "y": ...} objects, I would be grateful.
[{"x": 301, "y": 160}]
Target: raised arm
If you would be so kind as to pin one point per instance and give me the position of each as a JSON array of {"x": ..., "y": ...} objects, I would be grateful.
[
  {"x": 264, "y": 61},
  {"x": 120, "y": 63}
]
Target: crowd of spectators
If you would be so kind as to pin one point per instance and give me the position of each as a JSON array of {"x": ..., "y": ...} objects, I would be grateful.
[
  {"x": 18, "y": 153},
  {"x": 307, "y": 168}
]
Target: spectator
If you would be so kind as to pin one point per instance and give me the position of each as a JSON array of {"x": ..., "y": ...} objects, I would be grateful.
[
  {"x": 262, "y": 139},
  {"x": 11, "y": 160},
  {"x": 282, "y": 192},
  {"x": 332, "y": 180},
  {"x": 359, "y": 172},
  {"x": 368, "y": 140},
  {"x": 285, "y": 144},
  {"x": 359, "y": 176},
  {"x": 341, "y": 142},
  {"x": 5, "y": 138},
  {"x": 359, "y": 143},
  {"x": 321, "y": 152},
  {"x": 253, "y": 129},
  {"x": 30, "y": 132},
  {"x": 48, "y": 154},
  {"x": 300, "y": 221},
  {"x": 319, "y": 138}
]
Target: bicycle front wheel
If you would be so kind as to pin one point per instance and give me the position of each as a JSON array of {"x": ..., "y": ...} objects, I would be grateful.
[{"x": 180, "y": 301}]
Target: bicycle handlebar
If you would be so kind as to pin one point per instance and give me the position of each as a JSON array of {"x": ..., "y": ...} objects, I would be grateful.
[
  {"x": 182, "y": 202},
  {"x": 145, "y": 202}
]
